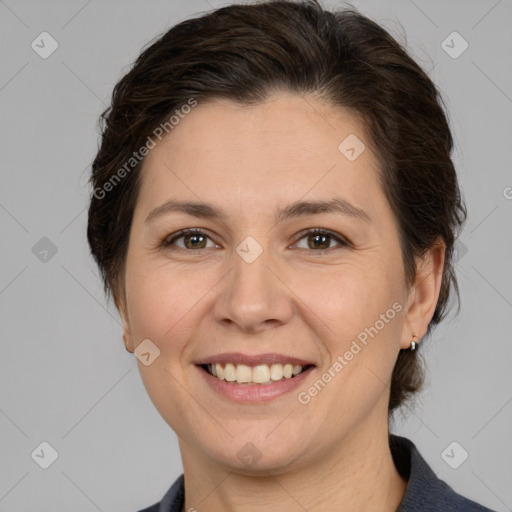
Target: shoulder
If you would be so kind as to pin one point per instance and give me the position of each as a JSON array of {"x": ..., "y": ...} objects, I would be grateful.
[
  {"x": 173, "y": 499},
  {"x": 425, "y": 491},
  {"x": 152, "y": 508}
]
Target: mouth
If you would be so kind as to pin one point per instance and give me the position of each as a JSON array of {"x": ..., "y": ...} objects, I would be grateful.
[
  {"x": 255, "y": 375},
  {"x": 254, "y": 379}
]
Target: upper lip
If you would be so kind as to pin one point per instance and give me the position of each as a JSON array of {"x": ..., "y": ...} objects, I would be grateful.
[{"x": 253, "y": 360}]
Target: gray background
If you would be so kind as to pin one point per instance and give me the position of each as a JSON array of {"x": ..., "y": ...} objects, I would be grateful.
[{"x": 65, "y": 376}]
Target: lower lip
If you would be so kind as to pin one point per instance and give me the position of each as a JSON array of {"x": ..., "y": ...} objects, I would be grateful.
[{"x": 254, "y": 393}]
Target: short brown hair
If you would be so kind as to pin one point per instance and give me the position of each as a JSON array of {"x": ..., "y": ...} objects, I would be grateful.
[{"x": 245, "y": 52}]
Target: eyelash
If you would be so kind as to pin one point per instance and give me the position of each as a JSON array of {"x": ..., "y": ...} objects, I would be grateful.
[{"x": 168, "y": 242}]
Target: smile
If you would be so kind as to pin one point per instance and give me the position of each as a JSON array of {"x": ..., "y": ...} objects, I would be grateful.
[
  {"x": 257, "y": 375},
  {"x": 254, "y": 378}
]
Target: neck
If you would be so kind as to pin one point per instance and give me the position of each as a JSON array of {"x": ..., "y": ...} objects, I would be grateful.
[{"x": 359, "y": 475}]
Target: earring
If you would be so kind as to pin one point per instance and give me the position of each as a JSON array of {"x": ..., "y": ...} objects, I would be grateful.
[{"x": 413, "y": 343}]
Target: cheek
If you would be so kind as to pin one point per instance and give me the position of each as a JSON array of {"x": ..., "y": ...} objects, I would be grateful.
[
  {"x": 164, "y": 307},
  {"x": 162, "y": 301},
  {"x": 349, "y": 297},
  {"x": 359, "y": 319},
  {"x": 357, "y": 314}
]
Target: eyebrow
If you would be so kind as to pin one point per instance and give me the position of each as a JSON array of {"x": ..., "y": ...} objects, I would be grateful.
[{"x": 203, "y": 210}]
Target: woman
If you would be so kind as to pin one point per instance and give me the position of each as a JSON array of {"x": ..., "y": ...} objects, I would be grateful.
[{"x": 274, "y": 212}]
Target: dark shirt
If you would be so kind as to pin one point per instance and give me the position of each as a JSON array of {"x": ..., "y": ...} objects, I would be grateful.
[{"x": 425, "y": 492}]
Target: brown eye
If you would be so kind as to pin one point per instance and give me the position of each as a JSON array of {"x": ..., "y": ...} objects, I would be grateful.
[
  {"x": 192, "y": 239},
  {"x": 320, "y": 240}
]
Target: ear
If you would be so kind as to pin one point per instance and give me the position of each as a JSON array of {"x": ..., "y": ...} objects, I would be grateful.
[
  {"x": 424, "y": 294},
  {"x": 120, "y": 302}
]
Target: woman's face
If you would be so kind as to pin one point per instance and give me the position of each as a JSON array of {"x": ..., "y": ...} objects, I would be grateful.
[{"x": 253, "y": 283}]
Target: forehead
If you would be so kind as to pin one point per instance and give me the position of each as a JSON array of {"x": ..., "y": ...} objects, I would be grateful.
[
  {"x": 289, "y": 125},
  {"x": 284, "y": 148}
]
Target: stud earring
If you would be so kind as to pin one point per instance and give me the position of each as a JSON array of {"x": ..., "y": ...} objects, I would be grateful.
[{"x": 413, "y": 343}]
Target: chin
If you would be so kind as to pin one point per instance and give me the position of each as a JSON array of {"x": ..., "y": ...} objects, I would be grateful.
[{"x": 258, "y": 457}]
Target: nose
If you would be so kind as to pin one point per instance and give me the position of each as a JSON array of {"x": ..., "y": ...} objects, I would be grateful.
[{"x": 253, "y": 296}]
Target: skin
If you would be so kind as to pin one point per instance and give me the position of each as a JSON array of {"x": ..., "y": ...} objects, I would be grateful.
[{"x": 293, "y": 299}]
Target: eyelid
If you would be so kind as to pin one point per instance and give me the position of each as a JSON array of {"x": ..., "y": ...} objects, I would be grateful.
[
  {"x": 169, "y": 240},
  {"x": 343, "y": 241}
]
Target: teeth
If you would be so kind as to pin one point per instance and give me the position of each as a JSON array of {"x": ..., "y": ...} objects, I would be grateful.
[
  {"x": 260, "y": 374},
  {"x": 276, "y": 372},
  {"x": 229, "y": 372},
  {"x": 243, "y": 373}
]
